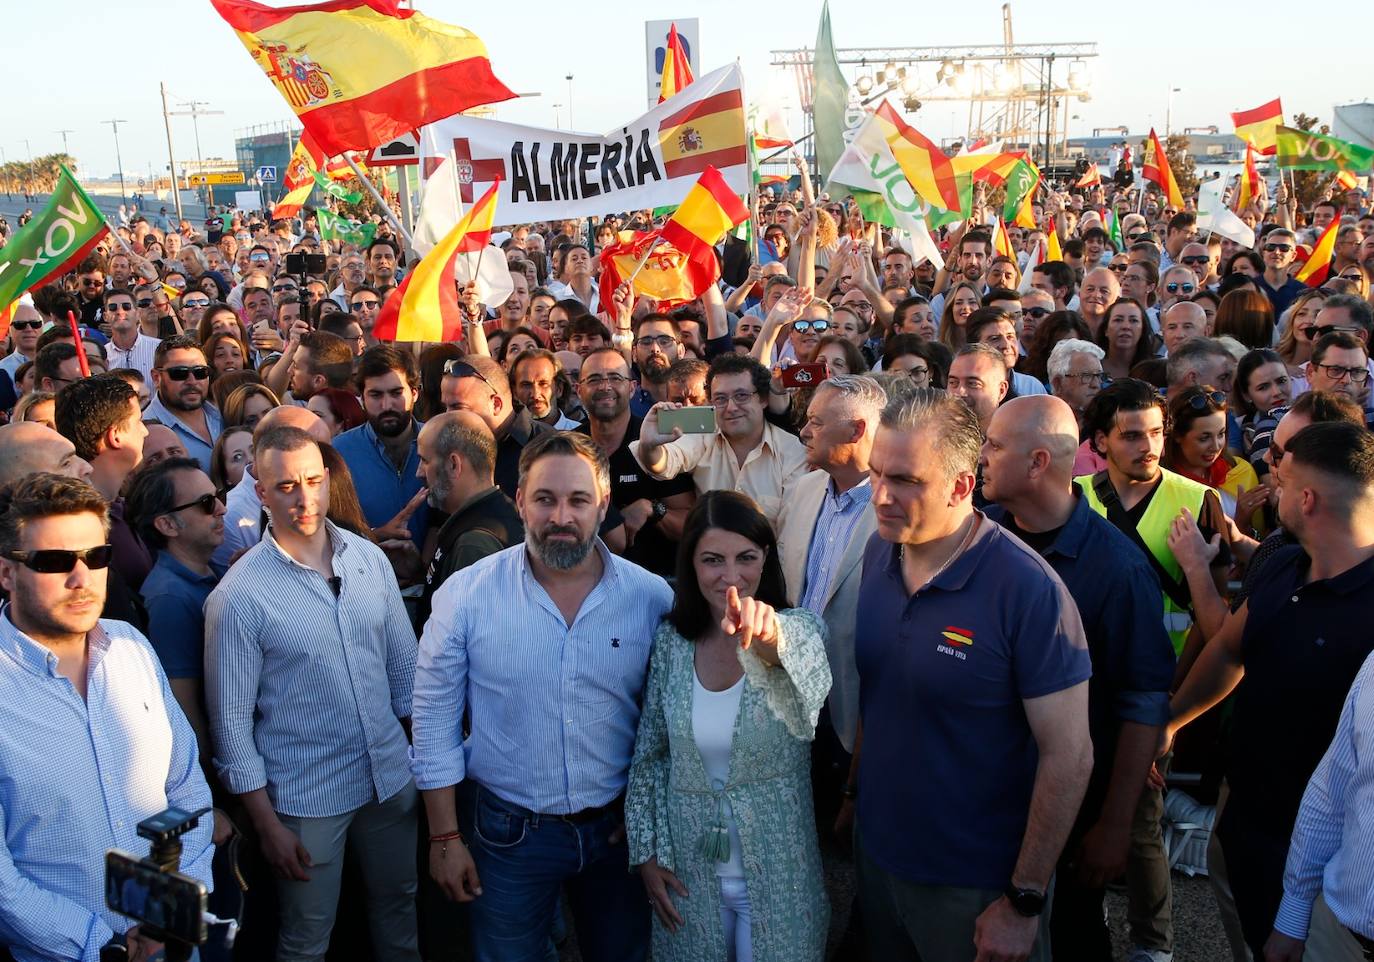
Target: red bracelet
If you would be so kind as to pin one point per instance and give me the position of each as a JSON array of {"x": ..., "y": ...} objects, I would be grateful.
[{"x": 446, "y": 837}]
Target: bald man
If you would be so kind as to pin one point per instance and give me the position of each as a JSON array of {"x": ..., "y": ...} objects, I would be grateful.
[
  {"x": 1182, "y": 322},
  {"x": 28, "y": 447},
  {"x": 243, "y": 516},
  {"x": 457, "y": 463},
  {"x": 1099, "y": 290},
  {"x": 1027, "y": 466}
]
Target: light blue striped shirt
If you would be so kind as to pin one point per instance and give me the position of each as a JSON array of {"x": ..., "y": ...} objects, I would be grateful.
[
  {"x": 554, "y": 708},
  {"x": 305, "y": 690},
  {"x": 839, "y": 516},
  {"x": 1332, "y": 849},
  {"x": 76, "y": 778},
  {"x": 193, "y": 443}
]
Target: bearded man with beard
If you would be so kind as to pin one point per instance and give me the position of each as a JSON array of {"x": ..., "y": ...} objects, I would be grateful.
[
  {"x": 657, "y": 344},
  {"x": 564, "y": 628},
  {"x": 382, "y": 454},
  {"x": 181, "y": 379}
]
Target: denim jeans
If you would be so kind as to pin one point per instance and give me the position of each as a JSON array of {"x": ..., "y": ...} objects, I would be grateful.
[{"x": 524, "y": 859}]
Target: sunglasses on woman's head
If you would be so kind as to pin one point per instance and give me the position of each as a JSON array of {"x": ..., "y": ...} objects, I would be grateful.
[{"x": 1199, "y": 402}]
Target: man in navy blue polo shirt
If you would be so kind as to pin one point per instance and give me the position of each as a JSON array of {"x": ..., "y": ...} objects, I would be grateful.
[
  {"x": 1298, "y": 641},
  {"x": 1028, "y": 471},
  {"x": 973, "y": 674}
]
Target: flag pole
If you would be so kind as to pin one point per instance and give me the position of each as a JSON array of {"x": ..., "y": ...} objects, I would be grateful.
[
  {"x": 381, "y": 202},
  {"x": 642, "y": 261}
]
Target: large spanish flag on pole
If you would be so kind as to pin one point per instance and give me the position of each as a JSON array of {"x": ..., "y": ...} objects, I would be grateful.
[
  {"x": 677, "y": 69},
  {"x": 1156, "y": 168},
  {"x": 425, "y": 307},
  {"x": 362, "y": 72},
  {"x": 1260, "y": 126},
  {"x": 1318, "y": 266}
]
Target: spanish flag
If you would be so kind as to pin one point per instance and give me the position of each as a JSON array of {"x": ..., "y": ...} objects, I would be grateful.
[
  {"x": 361, "y": 72},
  {"x": 1093, "y": 177},
  {"x": 677, "y": 69},
  {"x": 1250, "y": 184},
  {"x": 1053, "y": 252},
  {"x": 709, "y": 132},
  {"x": 941, "y": 181},
  {"x": 1318, "y": 266},
  {"x": 1156, "y": 168},
  {"x": 425, "y": 307},
  {"x": 1260, "y": 126},
  {"x": 1001, "y": 243}
]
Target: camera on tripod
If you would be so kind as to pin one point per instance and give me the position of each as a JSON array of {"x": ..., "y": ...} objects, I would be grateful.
[{"x": 169, "y": 906}]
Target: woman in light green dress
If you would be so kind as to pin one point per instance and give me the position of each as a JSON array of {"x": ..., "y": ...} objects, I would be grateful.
[{"x": 718, "y": 809}]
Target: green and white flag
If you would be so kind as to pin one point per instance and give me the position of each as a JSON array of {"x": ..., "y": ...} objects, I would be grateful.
[
  {"x": 336, "y": 190},
  {"x": 336, "y": 228},
  {"x": 53, "y": 243},
  {"x": 829, "y": 96},
  {"x": 870, "y": 173}
]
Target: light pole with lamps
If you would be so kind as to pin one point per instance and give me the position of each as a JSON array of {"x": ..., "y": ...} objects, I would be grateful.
[
  {"x": 114, "y": 125},
  {"x": 1169, "y": 111}
]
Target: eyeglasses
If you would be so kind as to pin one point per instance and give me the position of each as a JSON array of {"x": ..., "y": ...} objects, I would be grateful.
[
  {"x": 1086, "y": 377},
  {"x": 1199, "y": 402},
  {"x": 460, "y": 368},
  {"x": 283, "y": 288},
  {"x": 1118, "y": 268},
  {"x": 61, "y": 561},
  {"x": 664, "y": 341},
  {"x": 26, "y": 325},
  {"x": 145, "y": 302},
  {"x": 86, "y": 282},
  {"x": 1137, "y": 235},
  {"x": 595, "y": 381},
  {"x": 1036, "y": 312},
  {"x": 180, "y": 372},
  {"x": 1352, "y": 277},
  {"x": 1195, "y": 259},
  {"x": 364, "y": 305},
  {"x": 1357, "y": 375},
  {"x": 801, "y": 327},
  {"x": 1284, "y": 248},
  {"x": 196, "y": 302},
  {"x": 1326, "y": 329},
  {"x": 1173, "y": 287},
  {"x": 122, "y": 307},
  {"x": 206, "y": 502},
  {"x": 741, "y": 398}
]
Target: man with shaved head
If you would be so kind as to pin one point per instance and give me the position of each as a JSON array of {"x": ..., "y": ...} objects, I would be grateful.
[
  {"x": 1181, "y": 322},
  {"x": 28, "y": 447},
  {"x": 457, "y": 463},
  {"x": 243, "y": 508},
  {"x": 1099, "y": 290},
  {"x": 1027, "y": 463}
]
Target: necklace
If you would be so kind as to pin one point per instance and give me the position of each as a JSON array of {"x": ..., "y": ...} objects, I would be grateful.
[{"x": 959, "y": 549}]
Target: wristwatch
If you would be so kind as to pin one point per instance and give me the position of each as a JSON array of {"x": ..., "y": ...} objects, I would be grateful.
[
  {"x": 659, "y": 510},
  {"x": 1028, "y": 903}
]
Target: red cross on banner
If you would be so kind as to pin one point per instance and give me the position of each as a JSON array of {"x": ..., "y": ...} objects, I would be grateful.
[{"x": 469, "y": 170}]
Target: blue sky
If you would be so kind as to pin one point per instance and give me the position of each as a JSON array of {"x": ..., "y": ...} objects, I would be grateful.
[{"x": 75, "y": 63}]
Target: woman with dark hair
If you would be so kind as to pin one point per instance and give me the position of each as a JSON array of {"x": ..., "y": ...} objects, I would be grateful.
[
  {"x": 1125, "y": 336},
  {"x": 518, "y": 341},
  {"x": 915, "y": 316},
  {"x": 1236, "y": 282},
  {"x": 220, "y": 318},
  {"x": 1262, "y": 385},
  {"x": 1056, "y": 327},
  {"x": 1247, "y": 316},
  {"x": 840, "y": 356},
  {"x": 1245, "y": 262},
  {"x": 432, "y": 361},
  {"x": 925, "y": 362},
  {"x": 318, "y": 310},
  {"x": 345, "y": 509},
  {"x": 338, "y": 409},
  {"x": 1195, "y": 447},
  {"x": 719, "y": 800},
  {"x": 229, "y": 459},
  {"x": 226, "y": 354}
]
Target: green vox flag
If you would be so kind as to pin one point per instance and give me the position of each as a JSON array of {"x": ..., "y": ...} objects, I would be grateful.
[
  {"x": 830, "y": 95},
  {"x": 1022, "y": 180},
  {"x": 1304, "y": 150},
  {"x": 335, "y": 228},
  {"x": 336, "y": 190},
  {"x": 53, "y": 242}
]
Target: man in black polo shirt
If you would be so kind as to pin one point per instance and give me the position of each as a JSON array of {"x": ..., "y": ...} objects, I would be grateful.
[
  {"x": 1027, "y": 466},
  {"x": 1298, "y": 641},
  {"x": 478, "y": 384},
  {"x": 653, "y": 511},
  {"x": 457, "y": 456}
]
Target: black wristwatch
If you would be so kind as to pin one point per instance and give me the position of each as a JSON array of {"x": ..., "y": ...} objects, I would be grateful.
[
  {"x": 659, "y": 510},
  {"x": 1028, "y": 903}
]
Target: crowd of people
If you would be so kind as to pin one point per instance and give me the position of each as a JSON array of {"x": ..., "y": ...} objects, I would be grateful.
[{"x": 607, "y": 624}]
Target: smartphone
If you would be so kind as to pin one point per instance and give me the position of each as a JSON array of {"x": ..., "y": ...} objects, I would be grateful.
[
  {"x": 802, "y": 375},
  {"x": 169, "y": 901},
  {"x": 692, "y": 420}
]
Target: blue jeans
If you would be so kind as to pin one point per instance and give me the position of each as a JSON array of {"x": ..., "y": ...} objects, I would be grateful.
[{"x": 524, "y": 859}]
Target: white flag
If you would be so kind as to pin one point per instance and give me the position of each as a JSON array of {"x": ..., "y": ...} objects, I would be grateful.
[
  {"x": 441, "y": 208},
  {"x": 1213, "y": 215}
]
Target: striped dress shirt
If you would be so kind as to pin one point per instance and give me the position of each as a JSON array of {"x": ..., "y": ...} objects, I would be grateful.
[
  {"x": 554, "y": 707},
  {"x": 76, "y": 778},
  {"x": 835, "y": 524},
  {"x": 1332, "y": 849},
  {"x": 138, "y": 358},
  {"x": 304, "y": 688}
]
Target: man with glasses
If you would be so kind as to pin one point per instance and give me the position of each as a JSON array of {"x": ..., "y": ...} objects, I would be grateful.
[
  {"x": 653, "y": 511},
  {"x": 995, "y": 328},
  {"x": 283, "y": 287},
  {"x": 1177, "y": 283},
  {"x": 346, "y": 326},
  {"x": 173, "y": 506},
  {"x": 1197, "y": 258},
  {"x": 657, "y": 346},
  {"x": 352, "y": 275},
  {"x": 73, "y": 683},
  {"x": 1340, "y": 363},
  {"x": 1035, "y": 307},
  {"x": 1345, "y": 314},
  {"x": 365, "y": 303},
  {"x": 478, "y": 384},
  {"x": 56, "y": 366},
  {"x": 128, "y": 346},
  {"x": 181, "y": 380},
  {"x": 90, "y": 281},
  {"x": 745, "y": 453},
  {"x": 25, "y": 328},
  {"x": 154, "y": 310},
  {"x": 1075, "y": 370},
  {"x": 1277, "y": 248}
]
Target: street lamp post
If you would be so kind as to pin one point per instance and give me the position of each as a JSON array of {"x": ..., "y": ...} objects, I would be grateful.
[
  {"x": 1169, "y": 111},
  {"x": 114, "y": 125},
  {"x": 570, "y": 120}
]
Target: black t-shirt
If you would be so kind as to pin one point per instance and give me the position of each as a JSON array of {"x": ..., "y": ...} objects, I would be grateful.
[
  {"x": 483, "y": 526},
  {"x": 652, "y": 549}
]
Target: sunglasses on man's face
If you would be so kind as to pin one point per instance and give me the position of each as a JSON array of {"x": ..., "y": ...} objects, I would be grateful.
[
  {"x": 1196, "y": 259},
  {"x": 1326, "y": 329},
  {"x": 206, "y": 502},
  {"x": 1281, "y": 248},
  {"x": 61, "y": 561},
  {"x": 180, "y": 372},
  {"x": 26, "y": 325},
  {"x": 1173, "y": 287},
  {"x": 1036, "y": 312}
]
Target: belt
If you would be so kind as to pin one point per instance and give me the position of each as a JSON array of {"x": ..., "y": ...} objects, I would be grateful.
[{"x": 615, "y": 806}]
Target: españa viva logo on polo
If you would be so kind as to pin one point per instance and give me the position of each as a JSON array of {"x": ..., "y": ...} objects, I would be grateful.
[{"x": 960, "y": 636}]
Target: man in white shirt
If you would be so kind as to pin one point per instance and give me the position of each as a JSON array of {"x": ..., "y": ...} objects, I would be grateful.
[{"x": 128, "y": 347}]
